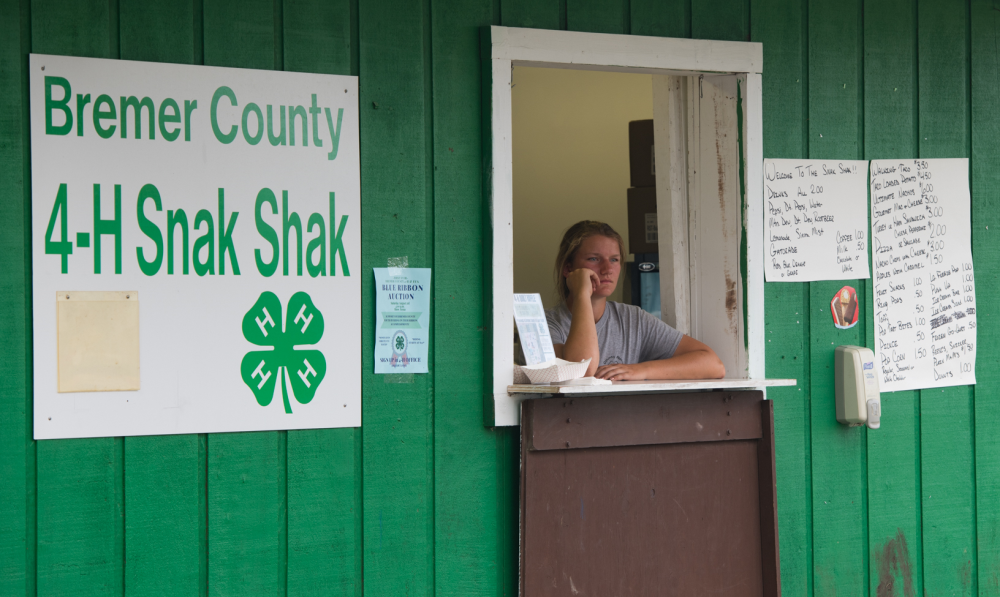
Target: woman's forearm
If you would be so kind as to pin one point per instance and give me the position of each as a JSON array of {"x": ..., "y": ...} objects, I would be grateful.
[
  {"x": 581, "y": 342},
  {"x": 697, "y": 364}
]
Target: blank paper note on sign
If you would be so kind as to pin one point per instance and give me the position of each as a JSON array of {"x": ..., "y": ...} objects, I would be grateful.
[{"x": 98, "y": 341}]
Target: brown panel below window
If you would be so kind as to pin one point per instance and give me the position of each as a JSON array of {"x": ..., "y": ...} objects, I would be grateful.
[
  {"x": 674, "y": 519},
  {"x": 599, "y": 421},
  {"x": 660, "y": 508}
]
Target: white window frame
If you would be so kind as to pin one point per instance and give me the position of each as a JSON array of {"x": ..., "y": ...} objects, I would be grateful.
[{"x": 506, "y": 47}]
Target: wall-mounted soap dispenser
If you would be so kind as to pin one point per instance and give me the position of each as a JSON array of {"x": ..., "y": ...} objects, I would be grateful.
[{"x": 856, "y": 386}]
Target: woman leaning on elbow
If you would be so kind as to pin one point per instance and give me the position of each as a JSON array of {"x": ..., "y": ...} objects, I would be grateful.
[{"x": 623, "y": 341}]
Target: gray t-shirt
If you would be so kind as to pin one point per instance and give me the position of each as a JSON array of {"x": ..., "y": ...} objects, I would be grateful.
[{"x": 625, "y": 334}]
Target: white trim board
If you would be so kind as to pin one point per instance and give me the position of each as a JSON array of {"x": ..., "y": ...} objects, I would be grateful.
[
  {"x": 565, "y": 48},
  {"x": 670, "y": 114},
  {"x": 649, "y": 386},
  {"x": 594, "y": 51},
  {"x": 753, "y": 172}
]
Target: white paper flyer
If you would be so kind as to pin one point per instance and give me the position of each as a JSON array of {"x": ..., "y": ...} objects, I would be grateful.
[{"x": 402, "y": 317}]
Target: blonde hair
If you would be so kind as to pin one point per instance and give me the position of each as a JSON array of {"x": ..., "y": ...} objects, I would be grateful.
[{"x": 571, "y": 241}]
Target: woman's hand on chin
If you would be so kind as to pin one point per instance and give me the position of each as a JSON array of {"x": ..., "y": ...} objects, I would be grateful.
[
  {"x": 582, "y": 283},
  {"x": 621, "y": 372}
]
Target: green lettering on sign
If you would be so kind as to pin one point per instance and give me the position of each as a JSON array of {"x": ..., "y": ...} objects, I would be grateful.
[
  {"x": 150, "y": 229},
  {"x": 62, "y": 247},
  {"x": 334, "y": 132},
  {"x": 102, "y": 114},
  {"x": 221, "y": 92},
  {"x": 337, "y": 240},
  {"x": 112, "y": 227},
  {"x": 61, "y": 105},
  {"x": 174, "y": 116},
  {"x": 207, "y": 241},
  {"x": 226, "y": 237},
  {"x": 266, "y": 268},
  {"x": 137, "y": 105}
]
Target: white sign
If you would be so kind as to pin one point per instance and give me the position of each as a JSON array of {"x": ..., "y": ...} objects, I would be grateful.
[
  {"x": 223, "y": 205},
  {"x": 817, "y": 220},
  {"x": 402, "y": 319},
  {"x": 925, "y": 289},
  {"x": 533, "y": 329}
]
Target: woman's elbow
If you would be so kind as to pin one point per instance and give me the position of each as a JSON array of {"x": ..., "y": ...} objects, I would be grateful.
[
  {"x": 716, "y": 370},
  {"x": 720, "y": 369}
]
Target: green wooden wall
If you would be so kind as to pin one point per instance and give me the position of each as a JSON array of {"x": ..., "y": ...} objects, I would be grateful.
[
  {"x": 422, "y": 499},
  {"x": 912, "y": 508}
]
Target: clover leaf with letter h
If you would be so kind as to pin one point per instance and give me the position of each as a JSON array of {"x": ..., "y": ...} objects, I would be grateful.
[{"x": 303, "y": 368}]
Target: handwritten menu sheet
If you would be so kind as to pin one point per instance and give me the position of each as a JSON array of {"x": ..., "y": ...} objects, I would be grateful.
[
  {"x": 925, "y": 293},
  {"x": 817, "y": 220}
]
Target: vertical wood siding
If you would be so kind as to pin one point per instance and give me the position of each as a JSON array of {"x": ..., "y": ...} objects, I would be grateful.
[
  {"x": 890, "y": 101},
  {"x": 422, "y": 499},
  {"x": 985, "y": 112}
]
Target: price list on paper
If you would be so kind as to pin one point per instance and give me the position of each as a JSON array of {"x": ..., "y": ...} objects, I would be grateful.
[
  {"x": 925, "y": 295},
  {"x": 816, "y": 220}
]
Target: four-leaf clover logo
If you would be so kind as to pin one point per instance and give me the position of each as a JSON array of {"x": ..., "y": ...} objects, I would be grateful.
[{"x": 303, "y": 368}]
